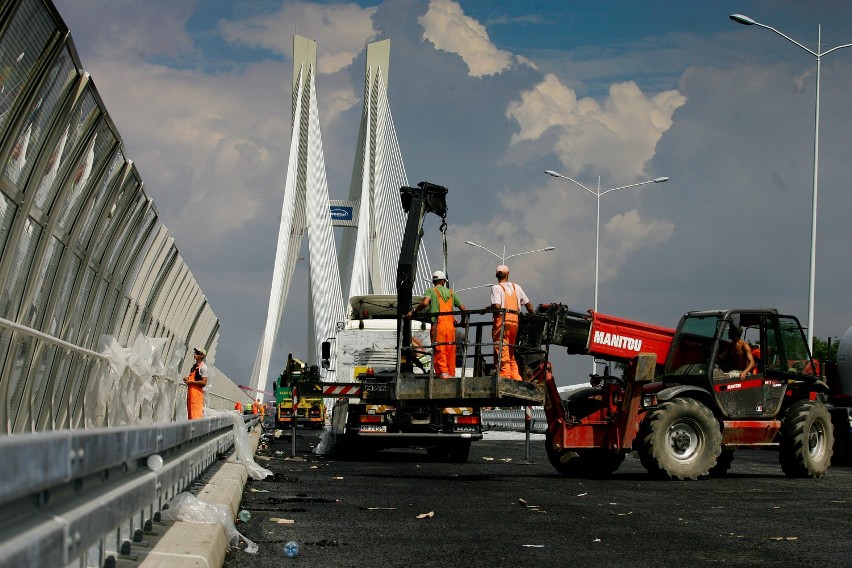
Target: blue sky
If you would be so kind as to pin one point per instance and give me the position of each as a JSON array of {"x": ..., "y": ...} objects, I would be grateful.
[{"x": 486, "y": 95}]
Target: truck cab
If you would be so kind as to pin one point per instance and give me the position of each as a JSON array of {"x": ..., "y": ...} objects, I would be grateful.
[{"x": 701, "y": 355}]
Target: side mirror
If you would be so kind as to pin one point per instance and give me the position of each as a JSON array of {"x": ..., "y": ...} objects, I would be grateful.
[{"x": 326, "y": 350}]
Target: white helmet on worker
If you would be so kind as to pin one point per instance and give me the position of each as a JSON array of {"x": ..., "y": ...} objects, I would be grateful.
[{"x": 438, "y": 275}]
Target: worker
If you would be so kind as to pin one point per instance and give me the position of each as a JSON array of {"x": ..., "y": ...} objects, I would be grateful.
[
  {"x": 440, "y": 299},
  {"x": 255, "y": 407},
  {"x": 736, "y": 356},
  {"x": 510, "y": 297},
  {"x": 195, "y": 382},
  {"x": 239, "y": 407},
  {"x": 755, "y": 354}
]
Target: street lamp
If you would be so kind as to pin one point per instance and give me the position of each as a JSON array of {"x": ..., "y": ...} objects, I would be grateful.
[
  {"x": 504, "y": 256},
  {"x": 600, "y": 194},
  {"x": 746, "y": 21}
]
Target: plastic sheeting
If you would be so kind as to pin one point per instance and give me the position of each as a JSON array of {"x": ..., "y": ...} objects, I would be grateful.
[
  {"x": 326, "y": 445},
  {"x": 189, "y": 508},
  {"x": 142, "y": 385},
  {"x": 242, "y": 447},
  {"x": 137, "y": 387}
]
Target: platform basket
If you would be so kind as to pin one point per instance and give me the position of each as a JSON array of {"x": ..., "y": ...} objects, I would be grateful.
[{"x": 532, "y": 331}]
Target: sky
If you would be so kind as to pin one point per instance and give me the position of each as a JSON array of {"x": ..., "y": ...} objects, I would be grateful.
[{"x": 486, "y": 96}]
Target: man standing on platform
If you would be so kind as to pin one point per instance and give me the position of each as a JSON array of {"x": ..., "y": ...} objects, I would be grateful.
[
  {"x": 195, "y": 383},
  {"x": 440, "y": 299},
  {"x": 508, "y": 296}
]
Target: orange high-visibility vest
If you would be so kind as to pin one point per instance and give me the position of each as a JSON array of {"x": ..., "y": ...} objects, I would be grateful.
[
  {"x": 508, "y": 364},
  {"x": 194, "y": 395},
  {"x": 444, "y": 331}
]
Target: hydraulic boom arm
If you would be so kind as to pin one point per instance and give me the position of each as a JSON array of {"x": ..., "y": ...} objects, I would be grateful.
[{"x": 416, "y": 201}]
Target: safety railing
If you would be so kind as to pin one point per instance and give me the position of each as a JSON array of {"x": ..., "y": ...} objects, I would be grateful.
[
  {"x": 78, "y": 496},
  {"x": 480, "y": 348}
]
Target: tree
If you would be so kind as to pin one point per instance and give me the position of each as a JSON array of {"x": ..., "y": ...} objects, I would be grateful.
[{"x": 821, "y": 350}]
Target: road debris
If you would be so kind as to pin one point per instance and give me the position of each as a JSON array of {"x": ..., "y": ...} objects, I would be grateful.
[
  {"x": 428, "y": 515},
  {"x": 281, "y": 521}
]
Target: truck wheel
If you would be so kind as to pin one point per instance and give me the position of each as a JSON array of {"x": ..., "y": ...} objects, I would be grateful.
[
  {"x": 586, "y": 463},
  {"x": 453, "y": 452},
  {"x": 723, "y": 464},
  {"x": 806, "y": 442},
  {"x": 458, "y": 452},
  {"x": 680, "y": 440}
]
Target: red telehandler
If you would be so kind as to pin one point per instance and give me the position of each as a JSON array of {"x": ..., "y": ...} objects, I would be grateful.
[{"x": 680, "y": 405}]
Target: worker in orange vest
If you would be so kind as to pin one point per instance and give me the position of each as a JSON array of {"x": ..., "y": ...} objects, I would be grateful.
[
  {"x": 440, "y": 299},
  {"x": 504, "y": 332},
  {"x": 195, "y": 382},
  {"x": 255, "y": 407},
  {"x": 239, "y": 407}
]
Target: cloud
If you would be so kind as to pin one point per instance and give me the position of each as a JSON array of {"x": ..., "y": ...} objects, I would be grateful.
[
  {"x": 629, "y": 233},
  {"x": 446, "y": 26},
  {"x": 617, "y": 137},
  {"x": 134, "y": 30},
  {"x": 340, "y": 30}
]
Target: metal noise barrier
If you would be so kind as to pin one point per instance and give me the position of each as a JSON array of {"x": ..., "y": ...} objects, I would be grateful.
[
  {"x": 66, "y": 493},
  {"x": 513, "y": 420}
]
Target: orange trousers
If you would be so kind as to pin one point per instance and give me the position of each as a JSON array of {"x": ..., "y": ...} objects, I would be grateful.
[
  {"x": 508, "y": 365},
  {"x": 194, "y": 402}
]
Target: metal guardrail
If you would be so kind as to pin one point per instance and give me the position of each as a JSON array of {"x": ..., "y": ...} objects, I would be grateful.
[
  {"x": 513, "y": 420},
  {"x": 65, "y": 494}
]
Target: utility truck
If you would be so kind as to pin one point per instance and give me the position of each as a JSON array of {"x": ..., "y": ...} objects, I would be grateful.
[
  {"x": 298, "y": 396},
  {"x": 385, "y": 395}
]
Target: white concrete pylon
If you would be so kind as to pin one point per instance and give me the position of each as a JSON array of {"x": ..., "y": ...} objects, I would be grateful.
[{"x": 305, "y": 208}]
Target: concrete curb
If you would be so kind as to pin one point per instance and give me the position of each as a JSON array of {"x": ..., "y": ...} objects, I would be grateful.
[{"x": 196, "y": 545}]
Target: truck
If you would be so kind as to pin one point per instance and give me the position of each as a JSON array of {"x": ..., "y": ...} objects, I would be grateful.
[
  {"x": 679, "y": 405},
  {"x": 839, "y": 378},
  {"x": 385, "y": 396},
  {"x": 300, "y": 383}
]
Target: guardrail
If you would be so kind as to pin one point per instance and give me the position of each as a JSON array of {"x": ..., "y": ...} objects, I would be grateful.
[
  {"x": 77, "y": 496},
  {"x": 513, "y": 420}
]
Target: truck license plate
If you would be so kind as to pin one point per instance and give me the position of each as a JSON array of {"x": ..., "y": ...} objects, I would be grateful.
[{"x": 373, "y": 428}]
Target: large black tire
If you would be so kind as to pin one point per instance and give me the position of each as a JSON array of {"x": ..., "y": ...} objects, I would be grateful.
[
  {"x": 723, "y": 464},
  {"x": 589, "y": 463},
  {"x": 807, "y": 437},
  {"x": 680, "y": 439},
  {"x": 582, "y": 402},
  {"x": 459, "y": 451},
  {"x": 456, "y": 451}
]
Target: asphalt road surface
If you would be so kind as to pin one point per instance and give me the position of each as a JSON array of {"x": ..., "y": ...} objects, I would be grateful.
[{"x": 400, "y": 509}]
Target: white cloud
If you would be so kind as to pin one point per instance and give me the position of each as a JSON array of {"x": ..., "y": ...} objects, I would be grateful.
[
  {"x": 214, "y": 152},
  {"x": 340, "y": 30},
  {"x": 446, "y": 26},
  {"x": 617, "y": 137},
  {"x": 628, "y": 233}
]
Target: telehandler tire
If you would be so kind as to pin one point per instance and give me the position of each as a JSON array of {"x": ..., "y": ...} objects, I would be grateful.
[
  {"x": 807, "y": 437},
  {"x": 680, "y": 439},
  {"x": 723, "y": 464},
  {"x": 588, "y": 463}
]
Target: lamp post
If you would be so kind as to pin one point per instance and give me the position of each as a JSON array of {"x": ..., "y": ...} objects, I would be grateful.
[
  {"x": 746, "y": 21},
  {"x": 504, "y": 256},
  {"x": 598, "y": 195}
]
